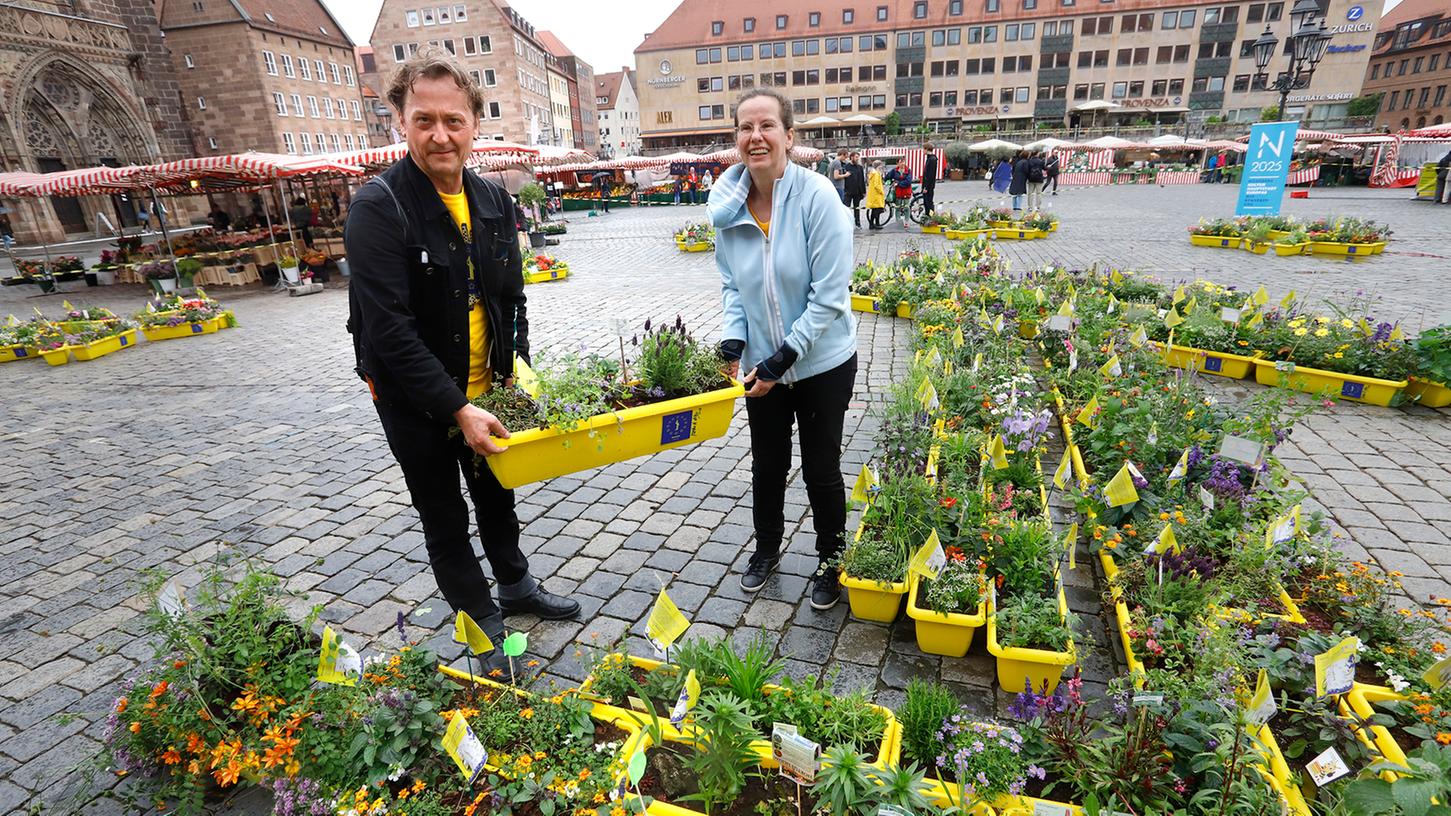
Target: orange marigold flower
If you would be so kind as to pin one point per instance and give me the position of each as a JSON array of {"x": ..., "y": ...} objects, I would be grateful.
[
  {"x": 136, "y": 728},
  {"x": 159, "y": 689},
  {"x": 171, "y": 757},
  {"x": 1444, "y": 738},
  {"x": 121, "y": 705}
]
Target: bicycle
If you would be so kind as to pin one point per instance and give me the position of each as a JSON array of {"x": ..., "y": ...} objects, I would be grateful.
[{"x": 905, "y": 210}]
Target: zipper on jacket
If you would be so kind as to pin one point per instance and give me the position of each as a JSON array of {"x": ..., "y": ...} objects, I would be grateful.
[{"x": 778, "y": 326}]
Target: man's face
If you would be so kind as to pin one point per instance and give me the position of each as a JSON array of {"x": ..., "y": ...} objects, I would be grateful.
[{"x": 439, "y": 126}]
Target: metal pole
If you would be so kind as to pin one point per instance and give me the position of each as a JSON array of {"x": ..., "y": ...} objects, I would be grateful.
[
  {"x": 287, "y": 212},
  {"x": 165, "y": 234}
]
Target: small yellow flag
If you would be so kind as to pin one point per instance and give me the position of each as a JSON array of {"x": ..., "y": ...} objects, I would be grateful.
[
  {"x": 337, "y": 662},
  {"x": 1066, "y": 310},
  {"x": 1287, "y": 300},
  {"x": 1255, "y": 320},
  {"x": 1262, "y": 704},
  {"x": 1088, "y": 416},
  {"x": 66, "y": 304},
  {"x": 1039, "y": 296},
  {"x": 1116, "y": 276},
  {"x": 1181, "y": 467},
  {"x": 1139, "y": 337},
  {"x": 525, "y": 377},
  {"x": 689, "y": 696},
  {"x": 1071, "y": 543},
  {"x": 1261, "y": 296},
  {"x": 1178, "y": 295},
  {"x": 1172, "y": 318},
  {"x": 1335, "y": 668},
  {"x": 866, "y": 485},
  {"x": 1189, "y": 307},
  {"x": 666, "y": 623},
  {"x": 1397, "y": 334},
  {"x": 958, "y": 341},
  {"x": 930, "y": 558},
  {"x": 998, "y": 452},
  {"x": 927, "y": 395},
  {"x": 1112, "y": 368},
  {"x": 1438, "y": 675},
  {"x": 467, "y": 632},
  {"x": 1166, "y": 542},
  {"x": 1064, "y": 471},
  {"x": 1112, "y": 303},
  {"x": 1120, "y": 489}
]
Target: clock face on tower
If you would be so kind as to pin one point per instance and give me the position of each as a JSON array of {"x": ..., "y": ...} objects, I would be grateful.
[{"x": 665, "y": 67}]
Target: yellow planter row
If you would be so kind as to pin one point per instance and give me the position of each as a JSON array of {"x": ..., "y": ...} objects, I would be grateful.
[
  {"x": 1304, "y": 248},
  {"x": 888, "y": 752},
  {"x": 154, "y": 333},
  {"x": 546, "y": 275},
  {"x": 9, "y": 354},
  {"x": 697, "y": 246},
  {"x": 1427, "y": 393},
  {"x": 1017, "y": 233},
  {"x": 91, "y": 351},
  {"x": 1223, "y": 364},
  {"x": 873, "y": 305},
  {"x": 1369, "y": 390},
  {"x": 543, "y": 453}
]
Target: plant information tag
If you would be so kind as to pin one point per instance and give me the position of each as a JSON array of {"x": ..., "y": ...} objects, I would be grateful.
[
  {"x": 689, "y": 695},
  {"x": 1327, "y": 767},
  {"x": 1059, "y": 323},
  {"x": 1230, "y": 315},
  {"x": 169, "y": 600},
  {"x": 800, "y": 757},
  {"x": 1262, "y": 705},
  {"x": 1041, "y": 808},
  {"x": 666, "y": 623},
  {"x": 337, "y": 662},
  {"x": 1242, "y": 450},
  {"x": 1335, "y": 668},
  {"x": 1206, "y": 498},
  {"x": 1439, "y": 674},
  {"x": 1144, "y": 698},
  {"x": 930, "y": 558},
  {"x": 465, "y": 749}
]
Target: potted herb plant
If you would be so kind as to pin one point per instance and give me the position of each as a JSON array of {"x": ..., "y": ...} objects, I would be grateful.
[
  {"x": 1431, "y": 384},
  {"x": 948, "y": 609},
  {"x": 531, "y": 195}
]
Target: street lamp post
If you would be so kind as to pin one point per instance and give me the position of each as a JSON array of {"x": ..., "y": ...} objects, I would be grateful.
[{"x": 1307, "y": 47}]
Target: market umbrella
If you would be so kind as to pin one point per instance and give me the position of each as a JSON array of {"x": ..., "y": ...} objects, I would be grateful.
[
  {"x": 1109, "y": 143},
  {"x": 861, "y": 119},
  {"x": 1048, "y": 144},
  {"x": 819, "y": 121},
  {"x": 993, "y": 145}
]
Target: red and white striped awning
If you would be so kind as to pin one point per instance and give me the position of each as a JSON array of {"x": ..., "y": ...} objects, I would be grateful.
[
  {"x": 1435, "y": 131},
  {"x": 1303, "y": 135},
  {"x": 18, "y": 183},
  {"x": 376, "y": 157},
  {"x": 203, "y": 173}
]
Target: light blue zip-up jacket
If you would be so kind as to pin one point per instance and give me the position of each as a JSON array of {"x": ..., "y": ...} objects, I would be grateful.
[{"x": 792, "y": 288}]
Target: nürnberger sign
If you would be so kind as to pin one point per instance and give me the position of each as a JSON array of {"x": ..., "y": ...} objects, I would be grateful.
[{"x": 665, "y": 81}]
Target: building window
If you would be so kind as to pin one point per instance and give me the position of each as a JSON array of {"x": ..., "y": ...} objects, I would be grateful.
[
  {"x": 306, "y": 142},
  {"x": 270, "y": 63},
  {"x": 187, "y": 58},
  {"x": 993, "y": 6},
  {"x": 289, "y": 144},
  {"x": 327, "y": 107},
  {"x": 412, "y": 18},
  {"x": 296, "y": 105},
  {"x": 287, "y": 66},
  {"x": 317, "y": 66},
  {"x": 201, "y": 103},
  {"x": 312, "y": 107},
  {"x": 486, "y": 44},
  {"x": 494, "y": 112},
  {"x": 919, "y": 10},
  {"x": 428, "y": 17},
  {"x": 337, "y": 74},
  {"x": 748, "y": 25},
  {"x": 281, "y": 102},
  {"x": 813, "y": 19},
  {"x": 351, "y": 79},
  {"x": 399, "y": 55},
  {"x": 781, "y": 22},
  {"x": 881, "y": 14}
]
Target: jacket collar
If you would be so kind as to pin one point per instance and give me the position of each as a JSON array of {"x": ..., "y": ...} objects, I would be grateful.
[
  {"x": 482, "y": 205},
  {"x": 727, "y": 204}
]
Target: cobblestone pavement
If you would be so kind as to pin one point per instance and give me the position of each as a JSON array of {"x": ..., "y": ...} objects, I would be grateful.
[{"x": 260, "y": 440}]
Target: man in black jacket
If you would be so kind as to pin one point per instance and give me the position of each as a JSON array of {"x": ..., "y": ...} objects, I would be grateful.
[
  {"x": 929, "y": 178},
  {"x": 437, "y": 312},
  {"x": 855, "y": 186}
]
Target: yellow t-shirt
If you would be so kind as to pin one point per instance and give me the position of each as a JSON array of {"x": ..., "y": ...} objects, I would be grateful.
[
  {"x": 764, "y": 225},
  {"x": 458, "y": 207}
]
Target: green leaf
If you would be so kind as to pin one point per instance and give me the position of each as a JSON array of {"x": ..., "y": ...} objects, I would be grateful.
[{"x": 1413, "y": 795}]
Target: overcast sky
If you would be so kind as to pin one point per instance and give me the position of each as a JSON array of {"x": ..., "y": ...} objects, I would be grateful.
[
  {"x": 596, "y": 30},
  {"x": 602, "y": 32}
]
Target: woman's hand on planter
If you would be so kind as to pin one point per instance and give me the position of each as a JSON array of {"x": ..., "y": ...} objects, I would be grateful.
[{"x": 477, "y": 426}]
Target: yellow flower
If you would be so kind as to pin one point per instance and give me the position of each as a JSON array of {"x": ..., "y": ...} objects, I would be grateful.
[
  {"x": 1321, "y": 332},
  {"x": 1337, "y": 355},
  {"x": 1345, "y": 321},
  {"x": 1297, "y": 322},
  {"x": 1301, "y": 332}
]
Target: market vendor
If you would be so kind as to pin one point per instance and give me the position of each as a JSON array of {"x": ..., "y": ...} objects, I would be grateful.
[{"x": 437, "y": 312}]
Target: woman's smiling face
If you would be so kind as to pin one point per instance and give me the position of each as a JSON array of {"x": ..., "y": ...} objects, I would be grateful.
[{"x": 761, "y": 137}]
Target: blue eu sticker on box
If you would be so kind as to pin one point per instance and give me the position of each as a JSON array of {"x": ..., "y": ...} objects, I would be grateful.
[
  {"x": 124, "y": 341},
  {"x": 1354, "y": 390},
  {"x": 676, "y": 427},
  {"x": 196, "y": 328},
  {"x": 1213, "y": 364}
]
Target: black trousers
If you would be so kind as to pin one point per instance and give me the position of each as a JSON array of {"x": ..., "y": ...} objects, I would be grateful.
[
  {"x": 854, "y": 200},
  {"x": 929, "y": 191},
  {"x": 818, "y": 405},
  {"x": 1052, "y": 180},
  {"x": 431, "y": 461}
]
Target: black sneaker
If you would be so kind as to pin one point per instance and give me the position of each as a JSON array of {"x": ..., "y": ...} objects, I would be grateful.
[
  {"x": 825, "y": 589},
  {"x": 759, "y": 568}
]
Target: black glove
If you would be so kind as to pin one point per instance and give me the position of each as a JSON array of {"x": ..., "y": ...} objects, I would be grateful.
[
  {"x": 731, "y": 350},
  {"x": 775, "y": 366}
]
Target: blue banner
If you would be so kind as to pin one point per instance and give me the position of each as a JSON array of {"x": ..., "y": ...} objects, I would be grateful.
[{"x": 1266, "y": 164}]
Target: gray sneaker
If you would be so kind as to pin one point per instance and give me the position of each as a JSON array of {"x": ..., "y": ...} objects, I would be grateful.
[
  {"x": 758, "y": 570},
  {"x": 825, "y": 589}
]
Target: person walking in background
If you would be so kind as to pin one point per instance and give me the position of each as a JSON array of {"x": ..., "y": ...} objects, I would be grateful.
[
  {"x": 301, "y": 215},
  {"x": 602, "y": 181},
  {"x": 837, "y": 174},
  {"x": 900, "y": 178},
  {"x": 929, "y": 177},
  {"x": 1002, "y": 176},
  {"x": 876, "y": 196},
  {"x": 788, "y": 316},
  {"x": 856, "y": 186},
  {"x": 1443, "y": 169},
  {"x": 1036, "y": 176},
  {"x": 692, "y": 183},
  {"x": 705, "y": 181},
  {"x": 677, "y": 186},
  {"x": 1051, "y": 167},
  {"x": 1018, "y": 187},
  {"x": 1221, "y": 161},
  {"x": 1213, "y": 167}
]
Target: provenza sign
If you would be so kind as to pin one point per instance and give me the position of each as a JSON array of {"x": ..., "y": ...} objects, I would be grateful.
[{"x": 1152, "y": 102}]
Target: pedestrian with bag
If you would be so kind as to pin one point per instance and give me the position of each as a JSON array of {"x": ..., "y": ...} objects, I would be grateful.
[
  {"x": 1037, "y": 174},
  {"x": 1443, "y": 170},
  {"x": 784, "y": 250},
  {"x": 1052, "y": 168},
  {"x": 855, "y": 186},
  {"x": 437, "y": 313},
  {"x": 1018, "y": 187}
]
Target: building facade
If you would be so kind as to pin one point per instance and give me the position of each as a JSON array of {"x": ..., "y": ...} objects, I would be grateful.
[
  {"x": 377, "y": 116},
  {"x": 265, "y": 75},
  {"x": 955, "y": 64},
  {"x": 82, "y": 87},
  {"x": 1410, "y": 66},
  {"x": 499, "y": 48},
  {"x": 559, "y": 108},
  {"x": 584, "y": 116},
  {"x": 619, "y": 112}
]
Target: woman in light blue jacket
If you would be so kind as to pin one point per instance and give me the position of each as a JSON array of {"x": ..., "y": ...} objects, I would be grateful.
[{"x": 784, "y": 249}]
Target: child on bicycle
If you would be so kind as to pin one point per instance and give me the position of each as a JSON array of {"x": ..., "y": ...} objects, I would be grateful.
[{"x": 901, "y": 177}]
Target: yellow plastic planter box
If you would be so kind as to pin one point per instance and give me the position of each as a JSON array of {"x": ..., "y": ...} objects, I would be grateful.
[
  {"x": 1277, "y": 774},
  {"x": 904, "y": 310},
  {"x": 934, "y": 230},
  {"x": 154, "y": 333},
  {"x": 871, "y": 601},
  {"x": 1257, "y": 247},
  {"x": 1422, "y": 392},
  {"x": 544, "y": 453},
  {"x": 9, "y": 354},
  {"x": 866, "y": 303},
  {"x": 97, "y": 349},
  {"x": 962, "y": 235},
  {"x": 1337, "y": 248},
  {"x": 545, "y": 275},
  {"x": 702, "y": 246},
  {"x": 1029, "y": 806},
  {"x": 1360, "y": 699},
  {"x": 1224, "y": 364},
  {"x": 1221, "y": 241},
  {"x": 1284, "y": 250},
  {"x": 942, "y": 633},
  {"x": 58, "y": 356},
  {"x": 888, "y": 751},
  {"x": 1018, "y": 667},
  {"x": 1020, "y": 234},
  {"x": 1368, "y": 390}
]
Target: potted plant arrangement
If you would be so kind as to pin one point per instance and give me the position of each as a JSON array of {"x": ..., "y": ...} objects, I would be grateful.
[
  {"x": 950, "y": 608},
  {"x": 175, "y": 316},
  {"x": 936, "y": 221},
  {"x": 1347, "y": 236},
  {"x": 1361, "y": 359},
  {"x": 105, "y": 269},
  {"x": 531, "y": 195},
  {"x": 695, "y": 237},
  {"x": 542, "y": 268},
  {"x": 576, "y": 412},
  {"x": 161, "y": 275},
  {"x": 21, "y": 340},
  {"x": 288, "y": 266},
  {"x": 1431, "y": 384},
  {"x": 186, "y": 270},
  {"x": 1219, "y": 232}
]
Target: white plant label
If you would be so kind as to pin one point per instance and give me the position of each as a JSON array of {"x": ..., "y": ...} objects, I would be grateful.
[
  {"x": 1242, "y": 450},
  {"x": 1327, "y": 767},
  {"x": 169, "y": 599},
  {"x": 1229, "y": 315}
]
